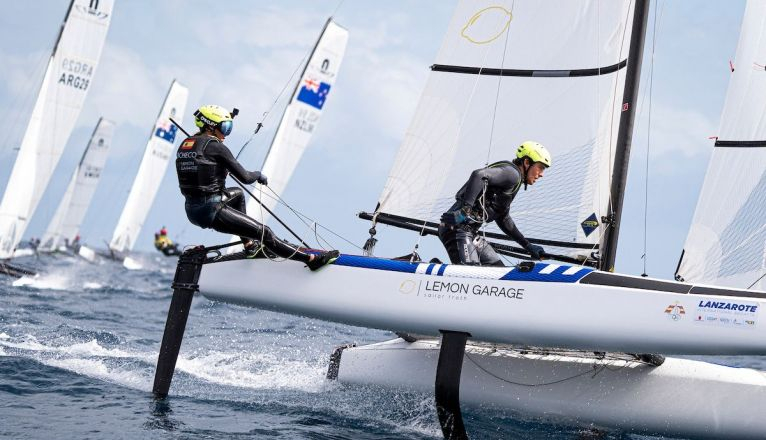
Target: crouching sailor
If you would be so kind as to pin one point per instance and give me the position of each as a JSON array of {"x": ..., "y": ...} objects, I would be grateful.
[
  {"x": 203, "y": 162},
  {"x": 487, "y": 197}
]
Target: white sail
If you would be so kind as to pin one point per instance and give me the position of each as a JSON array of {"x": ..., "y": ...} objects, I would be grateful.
[
  {"x": 561, "y": 88},
  {"x": 65, "y": 225},
  {"x": 65, "y": 85},
  {"x": 726, "y": 244},
  {"x": 302, "y": 115},
  {"x": 158, "y": 151}
]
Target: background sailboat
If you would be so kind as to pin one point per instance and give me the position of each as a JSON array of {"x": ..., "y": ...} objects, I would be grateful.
[
  {"x": 68, "y": 78},
  {"x": 300, "y": 118},
  {"x": 65, "y": 225},
  {"x": 153, "y": 165}
]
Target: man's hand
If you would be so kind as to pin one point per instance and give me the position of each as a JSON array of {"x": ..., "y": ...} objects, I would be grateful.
[
  {"x": 262, "y": 179},
  {"x": 535, "y": 251}
]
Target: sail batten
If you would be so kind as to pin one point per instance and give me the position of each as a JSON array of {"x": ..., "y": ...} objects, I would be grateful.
[
  {"x": 740, "y": 144},
  {"x": 67, "y": 79},
  {"x": 530, "y": 72}
]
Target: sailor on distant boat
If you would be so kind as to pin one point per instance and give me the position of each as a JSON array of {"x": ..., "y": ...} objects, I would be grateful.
[
  {"x": 202, "y": 164},
  {"x": 164, "y": 244},
  {"x": 487, "y": 197}
]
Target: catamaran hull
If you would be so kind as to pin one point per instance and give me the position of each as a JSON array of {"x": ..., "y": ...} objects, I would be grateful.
[
  {"x": 549, "y": 306},
  {"x": 679, "y": 398}
]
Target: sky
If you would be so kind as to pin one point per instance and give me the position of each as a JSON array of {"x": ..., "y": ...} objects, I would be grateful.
[{"x": 243, "y": 54}]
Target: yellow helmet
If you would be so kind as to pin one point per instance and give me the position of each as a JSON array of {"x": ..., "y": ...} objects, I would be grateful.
[
  {"x": 214, "y": 116},
  {"x": 535, "y": 151}
]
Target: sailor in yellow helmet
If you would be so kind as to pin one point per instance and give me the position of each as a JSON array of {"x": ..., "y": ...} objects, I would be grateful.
[
  {"x": 203, "y": 162},
  {"x": 487, "y": 197}
]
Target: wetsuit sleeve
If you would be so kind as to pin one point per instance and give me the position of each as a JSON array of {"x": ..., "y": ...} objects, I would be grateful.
[
  {"x": 497, "y": 177},
  {"x": 221, "y": 154},
  {"x": 509, "y": 227}
]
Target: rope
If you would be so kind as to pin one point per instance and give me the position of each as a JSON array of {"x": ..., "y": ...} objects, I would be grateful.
[
  {"x": 304, "y": 217},
  {"x": 263, "y": 237},
  {"x": 756, "y": 281},
  {"x": 273, "y": 104},
  {"x": 644, "y": 257}
]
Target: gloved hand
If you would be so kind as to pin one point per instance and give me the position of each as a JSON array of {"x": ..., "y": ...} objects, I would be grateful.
[
  {"x": 262, "y": 179},
  {"x": 535, "y": 251}
]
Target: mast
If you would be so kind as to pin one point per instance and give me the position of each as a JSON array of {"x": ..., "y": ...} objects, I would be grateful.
[{"x": 624, "y": 135}]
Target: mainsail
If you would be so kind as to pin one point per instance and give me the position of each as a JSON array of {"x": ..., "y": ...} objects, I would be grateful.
[
  {"x": 65, "y": 85},
  {"x": 502, "y": 77},
  {"x": 158, "y": 151},
  {"x": 726, "y": 244},
  {"x": 302, "y": 114},
  {"x": 65, "y": 225}
]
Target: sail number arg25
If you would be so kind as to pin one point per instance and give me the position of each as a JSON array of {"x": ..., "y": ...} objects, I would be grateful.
[{"x": 75, "y": 74}]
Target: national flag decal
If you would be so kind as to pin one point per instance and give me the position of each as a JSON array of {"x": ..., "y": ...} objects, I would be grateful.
[
  {"x": 313, "y": 93},
  {"x": 187, "y": 145},
  {"x": 166, "y": 130}
]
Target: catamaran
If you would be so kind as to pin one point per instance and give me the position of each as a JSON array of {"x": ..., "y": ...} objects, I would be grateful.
[
  {"x": 159, "y": 150},
  {"x": 67, "y": 80},
  {"x": 64, "y": 229},
  {"x": 543, "y": 334}
]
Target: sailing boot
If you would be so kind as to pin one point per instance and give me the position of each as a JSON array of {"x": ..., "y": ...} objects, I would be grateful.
[
  {"x": 320, "y": 260},
  {"x": 251, "y": 248}
]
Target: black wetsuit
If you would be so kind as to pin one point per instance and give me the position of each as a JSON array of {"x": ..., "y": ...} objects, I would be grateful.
[
  {"x": 503, "y": 180},
  {"x": 202, "y": 164}
]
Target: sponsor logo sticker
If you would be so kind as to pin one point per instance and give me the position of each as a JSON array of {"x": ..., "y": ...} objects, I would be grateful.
[{"x": 675, "y": 311}]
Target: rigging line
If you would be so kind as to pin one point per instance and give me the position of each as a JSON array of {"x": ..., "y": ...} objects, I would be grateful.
[
  {"x": 497, "y": 96},
  {"x": 273, "y": 104},
  {"x": 756, "y": 281},
  {"x": 302, "y": 216},
  {"x": 649, "y": 138},
  {"x": 335, "y": 11},
  {"x": 595, "y": 371},
  {"x": 262, "y": 248}
]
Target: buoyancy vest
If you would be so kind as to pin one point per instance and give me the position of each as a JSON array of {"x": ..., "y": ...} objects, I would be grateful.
[{"x": 198, "y": 174}]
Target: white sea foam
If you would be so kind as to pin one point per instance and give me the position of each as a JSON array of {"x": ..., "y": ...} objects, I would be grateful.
[
  {"x": 132, "y": 264},
  {"x": 26, "y": 252},
  {"x": 92, "y": 285},
  {"x": 254, "y": 371},
  {"x": 50, "y": 281},
  {"x": 91, "y": 348},
  {"x": 98, "y": 369}
]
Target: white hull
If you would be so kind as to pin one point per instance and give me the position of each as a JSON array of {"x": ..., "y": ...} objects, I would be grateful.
[
  {"x": 552, "y": 308},
  {"x": 679, "y": 398}
]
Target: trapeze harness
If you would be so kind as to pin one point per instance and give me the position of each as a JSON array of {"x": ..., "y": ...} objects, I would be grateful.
[{"x": 503, "y": 181}]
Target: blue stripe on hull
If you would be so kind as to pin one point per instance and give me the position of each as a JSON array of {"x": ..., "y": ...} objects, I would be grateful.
[
  {"x": 376, "y": 263},
  {"x": 555, "y": 276}
]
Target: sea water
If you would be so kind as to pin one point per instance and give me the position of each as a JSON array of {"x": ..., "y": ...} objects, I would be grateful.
[{"x": 79, "y": 345}]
